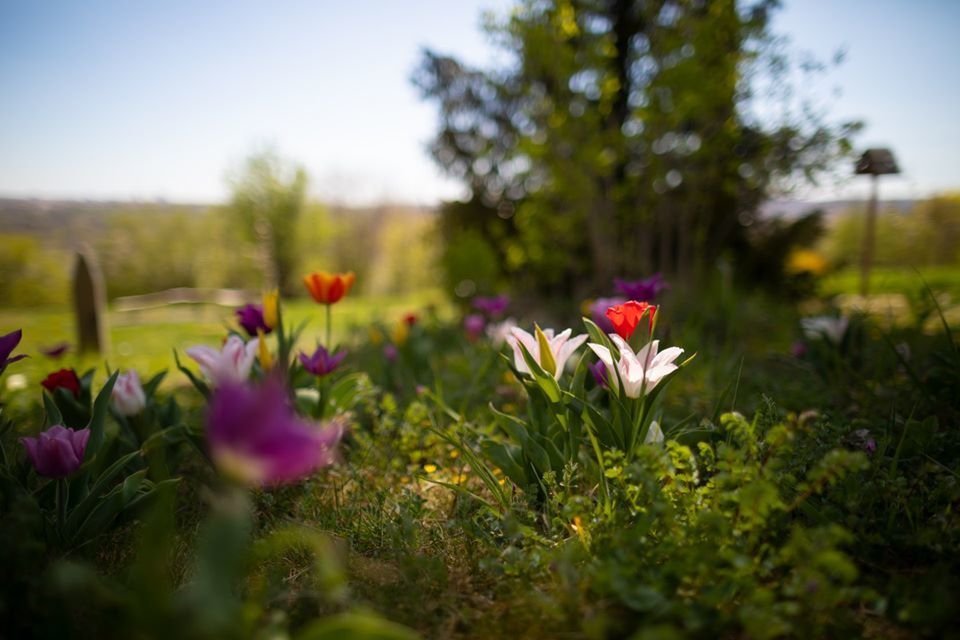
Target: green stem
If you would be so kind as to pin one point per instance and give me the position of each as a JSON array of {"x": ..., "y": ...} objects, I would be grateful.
[
  {"x": 321, "y": 397},
  {"x": 329, "y": 323},
  {"x": 63, "y": 496}
]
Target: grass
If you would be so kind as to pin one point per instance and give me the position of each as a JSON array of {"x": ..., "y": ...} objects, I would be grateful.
[{"x": 144, "y": 340}]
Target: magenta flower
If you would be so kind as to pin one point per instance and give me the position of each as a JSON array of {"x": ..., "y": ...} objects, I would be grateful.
[
  {"x": 474, "y": 324},
  {"x": 643, "y": 290},
  {"x": 58, "y": 451},
  {"x": 251, "y": 318},
  {"x": 8, "y": 343},
  {"x": 256, "y": 437},
  {"x": 492, "y": 306},
  {"x": 56, "y": 351},
  {"x": 322, "y": 362},
  {"x": 390, "y": 352},
  {"x": 598, "y": 312}
]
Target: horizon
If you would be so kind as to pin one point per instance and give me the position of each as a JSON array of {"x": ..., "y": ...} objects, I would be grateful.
[{"x": 170, "y": 122}]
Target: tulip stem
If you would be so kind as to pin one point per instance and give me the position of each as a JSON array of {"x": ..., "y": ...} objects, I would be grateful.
[
  {"x": 329, "y": 321},
  {"x": 63, "y": 496}
]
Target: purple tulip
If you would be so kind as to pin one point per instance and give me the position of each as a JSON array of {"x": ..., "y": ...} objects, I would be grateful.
[
  {"x": 58, "y": 451},
  {"x": 251, "y": 318},
  {"x": 599, "y": 372},
  {"x": 256, "y": 437},
  {"x": 643, "y": 290},
  {"x": 598, "y": 312},
  {"x": 322, "y": 362},
  {"x": 390, "y": 352},
  {"x": 8, "y": 343},
  {"x": 474, "y": 324},
  {"x": 56, "y": 351},
  {"x": 493, "y": 306}
]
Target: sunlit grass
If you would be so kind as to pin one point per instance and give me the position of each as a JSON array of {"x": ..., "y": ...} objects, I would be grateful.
[{"x": 144, "y": 340}]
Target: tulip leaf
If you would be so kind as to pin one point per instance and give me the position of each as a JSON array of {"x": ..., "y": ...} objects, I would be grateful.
[
  {"x": 97, "y": 420},
  {"x": 80, "y": 512},
  {"x": 53, "y": 412},
  {"x": 199, "y": 384},
  {"x": 597, "y": 336}
]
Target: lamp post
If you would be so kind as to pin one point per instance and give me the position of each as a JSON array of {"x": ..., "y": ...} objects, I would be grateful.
[{"x": 874, "y": 163}]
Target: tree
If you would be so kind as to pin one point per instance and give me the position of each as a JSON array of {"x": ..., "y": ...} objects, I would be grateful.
[
  {"x": 621, "y": 139},
  {"x": 269, "y": 196}
]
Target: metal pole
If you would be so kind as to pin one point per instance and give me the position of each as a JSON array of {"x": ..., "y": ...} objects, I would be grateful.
[{"x": 869, "y": 232}]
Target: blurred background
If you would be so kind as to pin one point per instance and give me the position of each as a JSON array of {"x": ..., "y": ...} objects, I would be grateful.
[{"x": 443, "y": 150}]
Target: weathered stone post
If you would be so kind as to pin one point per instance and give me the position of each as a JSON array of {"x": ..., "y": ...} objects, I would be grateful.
[{"x": 89, "y": 302}]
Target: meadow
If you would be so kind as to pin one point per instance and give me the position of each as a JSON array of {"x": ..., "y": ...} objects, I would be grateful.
[{"x": 793, "y": 473}]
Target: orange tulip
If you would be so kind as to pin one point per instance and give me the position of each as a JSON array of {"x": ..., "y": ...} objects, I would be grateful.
[{"x": 328, "y": 288}]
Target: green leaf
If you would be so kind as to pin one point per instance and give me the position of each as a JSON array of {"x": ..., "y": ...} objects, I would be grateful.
[
  {"x": 53, "y": 412},
  {"x": 80, "y": 512},
  {"x": 96, "y": 424},
  {"x": 200, "y": 385},
  {"x": 544, "y": 380}
]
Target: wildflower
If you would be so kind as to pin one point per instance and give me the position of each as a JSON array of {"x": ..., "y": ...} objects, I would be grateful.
[
  {"x": 58, "y": 451},
  {"x": 474, "y": 324},
  {"x": 8, "y": 343},
  {"x": 829, "y": 327},
  {"x": 598, "y": 312},
  {"x": 56, "y": 351},
  {"x": 639, "y": 372},
  {"x": 256, "y": 438},
  {"x": 328, "y": 288},
  {"x": 645, "y": 289},
  {"x": 128, "y": 398},
  {"x": 625, "y": 317},
  {"x": 553, "y": 358},
  {"x": 497, "y": 332},
  {"x": 251, "y": 318},
  {"x": 231, "y": 364},
  {"x": 322, "y": 362},
  {"x": 492, "y": 306},
  {"x": 410, "y": 319},
  {"x": 65, "y": 379}
]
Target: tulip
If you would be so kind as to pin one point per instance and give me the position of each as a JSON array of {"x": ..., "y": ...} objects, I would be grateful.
[
  {"x": 256, "y": 437},
  {"x": 128, "y": 398},
  {"x": 553, "y": 358},
  {"x": 271, "y": 309},
  {"x": 56, "y": 351},
  {"x": 645, "y": 289},
  {"x": 390, "y": 352},
  {"x": 625, "y": 317},
  {"x": 474, "y": 324},
  {"x": 598, "y": 312},
  {"x": 64, "y": 378},
  {"x": 410, "y": 319},
  {"x": 492, "y": 306},
  {"x": 498, "y": 331},
  {"x": 639, "y": 372},
  {"x": 599, "y": 372},
  {"x": 328, "y": 288},
  {"x": 58, "y": 451},
  {"x": 232, "y": 364},
  {"x": 8, "y": 343},
  {"x": 322, "y": 362},
  {"x": 251, "y": 317},
  {"x": 829, "y": 327}
]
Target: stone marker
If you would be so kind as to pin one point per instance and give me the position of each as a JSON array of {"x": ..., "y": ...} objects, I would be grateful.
[{"x": 89, "y": 302}]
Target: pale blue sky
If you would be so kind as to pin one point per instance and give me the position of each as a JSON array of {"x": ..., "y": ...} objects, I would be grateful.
[{"x": 111, "y": 99}]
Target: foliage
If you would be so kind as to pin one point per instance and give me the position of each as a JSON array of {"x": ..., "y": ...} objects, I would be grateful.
[{"x": 621, "y": 138}]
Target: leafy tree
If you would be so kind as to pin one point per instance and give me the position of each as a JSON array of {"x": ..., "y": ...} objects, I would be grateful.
[
  {"x": 622, "y": 138},
  {"x": 269, "y": 196}
]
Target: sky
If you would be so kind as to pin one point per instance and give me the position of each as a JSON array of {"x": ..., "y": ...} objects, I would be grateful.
[{"x": 162, "y": 99}]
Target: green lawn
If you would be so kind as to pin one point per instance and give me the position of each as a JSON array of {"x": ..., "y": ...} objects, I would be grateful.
[{"x": 144, "y": 340}]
